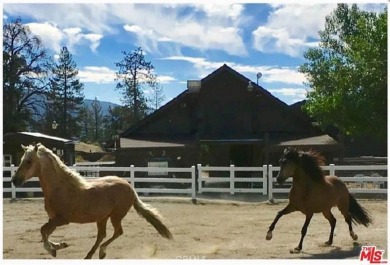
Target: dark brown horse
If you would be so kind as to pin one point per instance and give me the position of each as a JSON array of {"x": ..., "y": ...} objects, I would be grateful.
[
  {"x": 69, "y": 198},
  {"x": 313, "y": 192}
]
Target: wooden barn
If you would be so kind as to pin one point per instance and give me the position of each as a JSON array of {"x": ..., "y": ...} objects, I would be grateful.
[
  {"x": 220, "y": 120},
  {"x": 13, "y": 152}
]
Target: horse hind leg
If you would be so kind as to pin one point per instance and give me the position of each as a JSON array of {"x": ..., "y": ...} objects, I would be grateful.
[
  {"x": 332, "y": 221},
  {"x": 348, "y": 219},
  {"x": 101, "y": 225},
  {"x": 118, "y": 231}
]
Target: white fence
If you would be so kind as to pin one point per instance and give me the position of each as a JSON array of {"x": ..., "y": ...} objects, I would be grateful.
[
  {"x": 251, "y": 178},
  {"x": 259, "y": 180},
  {"x": 376, "y": 187},
  {"x": 123, "y": 170}
]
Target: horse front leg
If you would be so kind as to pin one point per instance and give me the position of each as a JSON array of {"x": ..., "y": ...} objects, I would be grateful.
[
  {"x": 46, "y": 230},
  {"x": 303, "y": 233},
  {"x": 288, "y": 209}
]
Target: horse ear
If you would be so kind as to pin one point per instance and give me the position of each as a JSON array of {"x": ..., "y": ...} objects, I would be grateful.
[
  {"x": 24, "y": 147},
  {"x": 36, "y": 148}
]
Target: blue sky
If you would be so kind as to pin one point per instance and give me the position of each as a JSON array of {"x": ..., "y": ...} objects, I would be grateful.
[{"x": 183, "y": 41}]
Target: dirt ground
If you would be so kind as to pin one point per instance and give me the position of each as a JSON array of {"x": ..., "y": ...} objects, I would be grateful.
[{"x": 210, "y": 229}]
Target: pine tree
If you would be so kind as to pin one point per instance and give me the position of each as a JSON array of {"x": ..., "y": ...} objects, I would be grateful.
[
  {"x": 66, "y": 95},
  {"x": 97, "y": 119},
  {"x": 133, "y": 74},
  {"x": 85, "y": 118}
]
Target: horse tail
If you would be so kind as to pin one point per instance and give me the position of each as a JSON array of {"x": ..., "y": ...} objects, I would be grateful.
[
  {"x": 359, "y": 215},
  {"x": 152, "y": 216}
]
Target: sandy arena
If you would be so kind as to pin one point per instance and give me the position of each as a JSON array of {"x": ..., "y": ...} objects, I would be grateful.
[{"x": 210, "y": 229}]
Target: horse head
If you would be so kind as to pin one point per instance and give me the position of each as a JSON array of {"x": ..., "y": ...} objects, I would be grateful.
[
  {"x": 288, "y": 163},
  {"x": 29, "y": 165}
]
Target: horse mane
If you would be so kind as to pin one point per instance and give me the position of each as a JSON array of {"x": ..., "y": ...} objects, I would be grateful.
[
  {"x": 312, "y": 162},
  {"x": 69, "y": 175}
]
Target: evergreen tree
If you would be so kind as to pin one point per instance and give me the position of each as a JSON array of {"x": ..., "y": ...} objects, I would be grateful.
[
  {"x": 66, "y": 95},
  {"x": 97, "y": 120},
  {"x": 85, "y": 117},
  {"x": 133, "y": 74}
]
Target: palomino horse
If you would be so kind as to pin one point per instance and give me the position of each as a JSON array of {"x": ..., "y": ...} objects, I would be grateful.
[
  {"x": 69, "y": 198},
  {"x": 313, "y": 192}
]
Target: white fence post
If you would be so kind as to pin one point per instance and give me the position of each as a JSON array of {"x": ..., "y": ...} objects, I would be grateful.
[
  {"x": 199, "y": 178},
  {"x": 13, "y": 188},
  {"x": 193, "y": 183},
  {"x": 270, "y": 182},
  {"x": 265, "y": 180},
  {"x": 332, "y": 170},
  {"x": 231, "y": 179},
  {"x": 132, "y": 173}
]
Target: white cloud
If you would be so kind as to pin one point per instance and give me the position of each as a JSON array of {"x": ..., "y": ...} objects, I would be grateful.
[
  {"x": 49, "y": 33},
  {"x": 297, "y": 92},
  {"x": 73, "y": 37},
  {"x": 217, "y": 30},
  {"x": 96, "y": 74},
  {"x": 53, "y": 37},
  {"x": 289, "y": 28},
  {"x": 164, "y": 79},
  {"x": 94, "y": 40},
  {"x": 105, "y": 75},
  {"x": 290, "y": 94},
  {"x": 287, "y": 75},
  {"x": 91, "y": 17},
  {"x": 232, "y": 11},
  {"x": 210, "y": 26}
]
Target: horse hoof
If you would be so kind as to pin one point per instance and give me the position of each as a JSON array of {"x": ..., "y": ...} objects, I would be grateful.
[
  {"x": 269, "y": 235},
  {"x": 327, "y": 244},
  {"x": 354, "y": 237},
  {"x": 102, "y": 255},
  {"x": 61, "y": 246},
  {"x": 53, "y": 252},
  {"x": 295, "y": 250}
]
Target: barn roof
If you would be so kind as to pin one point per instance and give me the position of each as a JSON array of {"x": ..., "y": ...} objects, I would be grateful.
[
  {"x": 138, "y": 143},
  {"x": 309, "y": 142},
  {"x": 224, "y": 68},
  {"x": 40, "y": 136}
]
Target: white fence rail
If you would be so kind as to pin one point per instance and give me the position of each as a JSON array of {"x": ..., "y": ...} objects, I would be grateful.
[
  {"x": 132, "y": 179},
  {"x": 258, "y": 180},
  {"x": 204, "y": 178},
  {"x": 377, "y": 182}
]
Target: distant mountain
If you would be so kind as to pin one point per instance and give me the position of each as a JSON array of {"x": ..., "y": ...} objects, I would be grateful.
[{"x": 104, "y": 104}]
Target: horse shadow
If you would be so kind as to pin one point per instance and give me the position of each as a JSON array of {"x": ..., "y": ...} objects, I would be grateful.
[{"x": 336, "y": 253}]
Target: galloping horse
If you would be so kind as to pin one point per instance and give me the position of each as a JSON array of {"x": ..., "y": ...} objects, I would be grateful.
[
  {"x": 69, "y": 198},
  {"x": 313, "y": 192}
]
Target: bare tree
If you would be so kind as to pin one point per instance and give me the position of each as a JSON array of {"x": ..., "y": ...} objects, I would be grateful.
[
  {"x": 25, "y": 68},
  {"x": 157, "y": 96}
]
